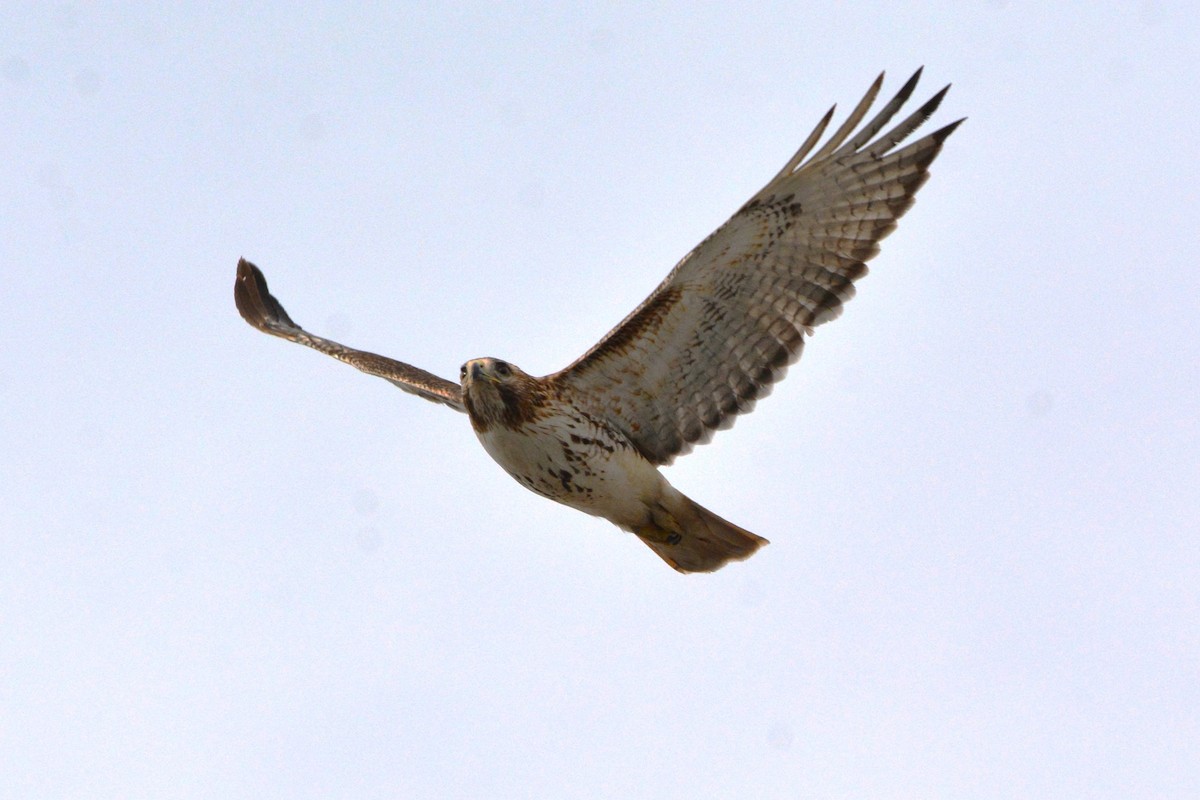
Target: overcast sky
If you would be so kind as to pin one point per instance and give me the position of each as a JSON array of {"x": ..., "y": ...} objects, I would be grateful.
[{"x": 232, "y": 568}]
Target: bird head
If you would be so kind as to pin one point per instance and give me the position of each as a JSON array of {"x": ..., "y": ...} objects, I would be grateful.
[
  {"x": 490, "y": 370},
  {"x": 497, "y": 393}
]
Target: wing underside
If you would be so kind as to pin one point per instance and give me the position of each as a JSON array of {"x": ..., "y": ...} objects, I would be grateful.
[
  {"x": 727, "y": 321},
  {"x": 259, "y": 308}
]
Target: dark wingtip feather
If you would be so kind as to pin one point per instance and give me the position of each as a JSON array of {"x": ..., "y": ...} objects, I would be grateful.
[
  {"x": 941, "y": 134},
  {"x": 255, "y": 302},
  {"x": 931, "y": 105},
  {"x": 907, "y": 89}
]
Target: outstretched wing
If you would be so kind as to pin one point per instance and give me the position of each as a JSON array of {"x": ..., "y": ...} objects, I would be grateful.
[
  {"x": 732, "y": 315},
  {"x": 264, "y": 312}
]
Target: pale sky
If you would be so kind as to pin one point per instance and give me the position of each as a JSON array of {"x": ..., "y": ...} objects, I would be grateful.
[{"x": 232, "y": 568}]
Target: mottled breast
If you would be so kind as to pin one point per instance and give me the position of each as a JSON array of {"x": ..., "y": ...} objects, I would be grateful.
[{"x": 575, "y": 459}]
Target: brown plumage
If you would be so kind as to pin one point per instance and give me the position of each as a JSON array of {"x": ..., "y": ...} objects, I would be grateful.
[{"x": 710, "y": 341}]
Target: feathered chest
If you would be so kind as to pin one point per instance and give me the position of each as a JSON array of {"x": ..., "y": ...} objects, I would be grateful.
[{"x": 567, "y": 456}]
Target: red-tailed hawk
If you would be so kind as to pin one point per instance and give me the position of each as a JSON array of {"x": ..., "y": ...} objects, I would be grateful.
[{"x": 704, "y": 346}]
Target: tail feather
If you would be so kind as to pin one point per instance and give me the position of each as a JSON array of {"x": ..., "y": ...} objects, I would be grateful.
[{"x": 693, "y": 539}]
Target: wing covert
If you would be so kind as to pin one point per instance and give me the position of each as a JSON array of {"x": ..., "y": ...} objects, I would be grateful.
[{"x": 733, "y": 314}]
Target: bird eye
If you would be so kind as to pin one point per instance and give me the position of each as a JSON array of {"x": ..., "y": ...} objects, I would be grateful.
[
  {"x": 462, "y": 372},
  {"x": 502, "y": 369}
]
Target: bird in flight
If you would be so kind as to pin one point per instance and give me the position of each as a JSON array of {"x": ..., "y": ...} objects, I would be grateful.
[{"x": 712, "y": 339}]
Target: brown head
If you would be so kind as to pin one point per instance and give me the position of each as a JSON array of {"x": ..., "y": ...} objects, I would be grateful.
[{"x": 497, "y": 393}]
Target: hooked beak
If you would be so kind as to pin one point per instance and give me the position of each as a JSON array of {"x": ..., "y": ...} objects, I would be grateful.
[{"x": 477, "y": 373}]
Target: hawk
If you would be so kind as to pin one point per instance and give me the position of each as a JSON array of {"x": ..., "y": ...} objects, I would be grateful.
[{"x": 711, "y": 340}]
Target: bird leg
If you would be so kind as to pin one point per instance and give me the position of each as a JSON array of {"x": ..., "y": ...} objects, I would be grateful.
[{"x": 660, "y": 528}]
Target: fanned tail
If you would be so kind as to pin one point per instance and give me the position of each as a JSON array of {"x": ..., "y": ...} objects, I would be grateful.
[{"x": 691, "y": 538}]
